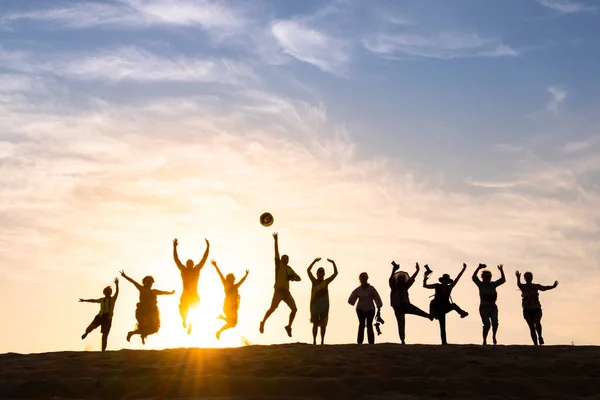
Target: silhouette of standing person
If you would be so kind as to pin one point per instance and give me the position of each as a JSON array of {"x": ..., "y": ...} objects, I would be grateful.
[
  {"x": 190, "y": 274},
  {"x": 232, "y": 299},
  {"x": 488, "y": 310},
  {"x": 104, "y": 317},
  {"x": 400, "y": 282},
  {"x": 319, "y": 298},
  {"x": 441, "y": 303},
  {"x": 146, "y": 311},
  {"x": 367, "y": 298},
  {"x": 532, "y": 308},
  {"x": 283, "y": 275}
]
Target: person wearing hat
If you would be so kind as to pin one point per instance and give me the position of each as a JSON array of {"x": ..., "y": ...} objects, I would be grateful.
[
  {"x": 488, "y": 310},
  {"x": 104, "y": 317},
  {"x": 146, "y": 312},
  {"x": 190, "y": 273},
  {"x": 442, "y": 303},
  {"x": 400, "y": 282}
]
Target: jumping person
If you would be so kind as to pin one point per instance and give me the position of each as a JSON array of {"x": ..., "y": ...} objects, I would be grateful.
[
  {"x": 232, "y": 299},
  {"x": 488, "y": 310},
  {"x": 400, "y": 282},
  {"x": 104, "y": 317},
  {"x": 146, "y": 311},
  {"x": 319, "y": 298},
  {"x": 441, "y": 303},
  {"x": 283, "y": 275},
  {"x": 368, "y": 298},
  {"x": 190, "y": 274},
  {"x": 532, "y": 308}
]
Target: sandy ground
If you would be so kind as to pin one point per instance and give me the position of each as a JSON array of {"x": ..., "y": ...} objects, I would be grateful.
[{"x": 299, "y": 371}]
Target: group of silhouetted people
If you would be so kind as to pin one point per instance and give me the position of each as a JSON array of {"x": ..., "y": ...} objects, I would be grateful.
[{"x": 365, "y": 297}]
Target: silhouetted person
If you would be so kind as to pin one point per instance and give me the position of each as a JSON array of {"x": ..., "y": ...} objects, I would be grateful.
[
  {"x": 319, "y": 298},
  {"x": 231, "y": 304},
  {"x": 104, "y": 317},
  {"x": 488, "y": 310},
  {"x": 283, "y": 275},
  {"x": 146, "y": 311},
  {"x": 368, "y": 298},
  {"x": 532, "y": 308},
  {"x": 190, "y": 274},
  {"x": 441, "y": 303},
  {"x": 400, "y": 282}
]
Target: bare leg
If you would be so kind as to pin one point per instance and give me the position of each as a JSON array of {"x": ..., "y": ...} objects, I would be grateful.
[
  {"x": 486, "y": 330},
  {"x": 184, "y": 310},
  {"x": 538, "y": 328},
  {"x": 532, "y": 332},
  {"x": 266, "y": 317},
  {"x": 315, "y": 329},
  {"x": 88, "y": 330},
  {"x": 442, "y": 321},
  {"x": 400, "y": 318},
  {"x": 228, "y": 325},
  {"x": 104, "y": 341},
  {"x": 323, "y": 330},
  {"x": 131, "y": 333}
]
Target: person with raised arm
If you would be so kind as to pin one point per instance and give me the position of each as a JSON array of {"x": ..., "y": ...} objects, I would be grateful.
[
  {"x": 146, "y": 311},
  {"x": 190, "y": 273},
  {"x": 231, "y": 304},
  {"x": 104, "y": 317},
  {"x": 488, "y": 310},
  {"x": 442, "y": 302},
  {"x": 400, "y": 282},
  {"x": 283, "y": 275},
  {"x": 319, "y": 298},
  {"x": 532, "y": 308},
  {"x": 368, "y": 298}
]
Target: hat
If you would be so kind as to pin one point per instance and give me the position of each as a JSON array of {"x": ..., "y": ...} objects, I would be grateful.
[
  {"x": 401, "y": 276},
  {"x": 446, "y": 278}
]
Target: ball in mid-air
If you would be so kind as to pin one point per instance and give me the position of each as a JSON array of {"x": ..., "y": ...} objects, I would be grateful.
[{"x": 266, "y": 219}]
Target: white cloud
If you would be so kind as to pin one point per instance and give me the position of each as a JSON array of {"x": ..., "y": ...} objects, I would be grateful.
[
  {"x": 311, "y": 46},
  {"x": 131, "y": 63},
  {"x": 567, "y": 6},
  {"x": 208, "y": 15},
  {"x": 445, "y": 45},
  {"x": 558, "y": 98}
]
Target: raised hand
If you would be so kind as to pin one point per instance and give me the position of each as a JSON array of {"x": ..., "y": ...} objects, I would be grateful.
[
  {"x": 213, "y": 262},
  {"x": 122, "y": 272},
  {"x": 247, "y": 271},
  {"x": 172, "y": 292},
  {"x": 175, "y": 242},
  {"x": 81, "y": 300},
  {"x": 555, "y": 283},
  {"x": 331, "y": 261},
  {"x": 207, "y": 242},
  {"x": 116, "y": 281},
  {"x": 518, "y": 274},
  {"x": 500, "y": 267},
  {"x": 275, "y": 235},
  {"x": 417, "y": 267},
  {"x": 317, "y": 259},
  {"x": 464, "y": 266},
  {"x": 481, "y": 266}
]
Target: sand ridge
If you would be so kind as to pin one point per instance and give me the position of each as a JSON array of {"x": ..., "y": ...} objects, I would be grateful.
[{"x": 300, "y": 371}]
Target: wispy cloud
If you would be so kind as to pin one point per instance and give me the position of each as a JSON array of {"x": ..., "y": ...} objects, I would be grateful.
[
  {"x": 311, "y": 46},
  {"x": 130, "y": 63},
  {"x": 558, "y": 98},
  {"x": 446, "y": 45},
  {"x": 206, "y": 14},
  {"x": 567, "y": 6}
]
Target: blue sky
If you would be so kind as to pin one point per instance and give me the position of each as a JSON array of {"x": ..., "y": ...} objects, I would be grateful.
[{"x": 416, "y": 130}]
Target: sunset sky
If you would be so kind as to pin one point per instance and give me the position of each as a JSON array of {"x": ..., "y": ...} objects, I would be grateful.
[{"x": 432, "y": 131}]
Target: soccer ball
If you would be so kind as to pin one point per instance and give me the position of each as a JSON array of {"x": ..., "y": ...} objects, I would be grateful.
[{"x": 266, "y": 219}]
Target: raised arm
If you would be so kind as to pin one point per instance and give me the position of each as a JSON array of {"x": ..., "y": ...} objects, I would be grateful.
[
  {"x": 237, "y": 285},
  {"x": 544, "y": 288},
  {"x": 427, "y": 285},
  {"x": 276, "y": 239},
  {"x": 214, "y": 263},
  {"x": 335, "y": 271},
  {"x": 137, "y": 285},
  {"x": 163, "y": 292},
  {"x": 116, "y": 281},
  {"x": 518, "y": 275},
  {"x": 175, "y": 256},
  {"x": 502, "y": 276},
  {"x": 417, "y": 269},
  {"x": 200, "y": 265},
  {"x": 475, "y": 276},
  {"x": 462, "y": 271},
  {"x": 309, "y": 269}
]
